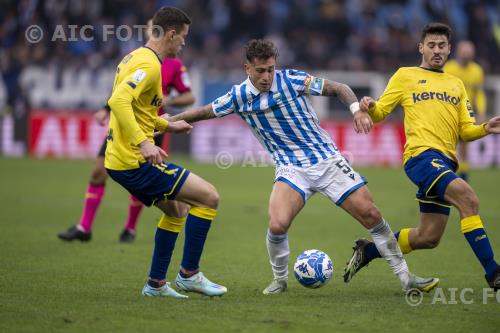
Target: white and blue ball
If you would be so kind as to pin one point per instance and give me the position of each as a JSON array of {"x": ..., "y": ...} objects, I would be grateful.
[{"x": 313, "y": 268}]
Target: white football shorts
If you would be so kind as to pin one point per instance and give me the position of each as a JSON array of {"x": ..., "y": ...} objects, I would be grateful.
[{"x": 333, "y": 177}]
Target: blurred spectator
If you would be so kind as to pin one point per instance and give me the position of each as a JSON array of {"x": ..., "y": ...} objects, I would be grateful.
[{"x": 330, "y": 34}]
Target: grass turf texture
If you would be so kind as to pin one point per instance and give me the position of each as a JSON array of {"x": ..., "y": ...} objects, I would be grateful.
[{"x": 48, "y": 285}]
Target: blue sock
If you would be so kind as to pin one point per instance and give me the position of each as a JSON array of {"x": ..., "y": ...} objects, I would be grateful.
[
  {"x": 164, "y": 246},
  {"x": 473, "y": 230},
  {"x": 371, "y": 250},
  {"x": 480, "y": 244},
  {"x": 196, "y": 234}
]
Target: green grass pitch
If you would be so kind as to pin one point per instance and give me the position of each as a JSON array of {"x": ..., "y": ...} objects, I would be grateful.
[{"x": 50, "y": 286}]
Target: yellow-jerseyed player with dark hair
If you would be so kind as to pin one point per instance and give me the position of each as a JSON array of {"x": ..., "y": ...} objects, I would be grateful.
[
  {"x": 133, "y": 161},
  {"x": 437, "y": 112},
  {"x": 470, "y": 72}
]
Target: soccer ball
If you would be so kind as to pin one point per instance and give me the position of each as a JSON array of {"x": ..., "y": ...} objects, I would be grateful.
[{"x": 313, "y": 268}]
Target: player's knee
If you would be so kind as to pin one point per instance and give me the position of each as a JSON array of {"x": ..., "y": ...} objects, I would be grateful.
[{"x": 212, "y": 198}]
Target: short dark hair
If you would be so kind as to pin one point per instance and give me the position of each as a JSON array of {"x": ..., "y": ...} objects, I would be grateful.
[
  {"x": 169, "y": 18},
  {"x": 437, "y": 28},
  {"x": 260, "y": 49}
]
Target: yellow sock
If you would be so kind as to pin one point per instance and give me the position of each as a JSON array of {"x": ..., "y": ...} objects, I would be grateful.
[
  {"x": 471, "y": 223},
  {"x": 404, "y": 240},
  {"x": 170, "y": 223}
]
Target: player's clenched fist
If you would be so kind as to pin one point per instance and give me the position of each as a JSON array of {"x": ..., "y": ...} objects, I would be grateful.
[
  {"x": 366, "y": 103},
  {"x": 152, "y": 153}
]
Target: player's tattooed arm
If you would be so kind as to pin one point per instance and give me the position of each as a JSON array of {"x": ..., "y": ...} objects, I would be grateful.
[
  {"x": 341, "y": 90},
  {"x": 362, "y": 122},
  {"x": 195, "y": 114}
]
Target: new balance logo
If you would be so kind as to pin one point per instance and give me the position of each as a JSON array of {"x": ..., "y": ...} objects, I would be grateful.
[
  {"x": 156, "y": 101},
  {"x": 421, "y": 81},
  {"x": 478, "y": 238},
  {"x": 436, "y": 95}
]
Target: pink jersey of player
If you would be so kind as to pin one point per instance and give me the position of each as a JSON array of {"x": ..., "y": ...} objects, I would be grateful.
[{"x": 174, "y": 76}]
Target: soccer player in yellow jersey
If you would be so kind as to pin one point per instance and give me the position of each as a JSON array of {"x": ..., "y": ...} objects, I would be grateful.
[
  {"x": 133, "y": 161},
  {"x": 471, "y": 74},
  {"x": 437, "y": 112}
]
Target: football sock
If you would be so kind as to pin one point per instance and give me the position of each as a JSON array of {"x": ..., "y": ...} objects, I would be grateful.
[
  {"x": 93, "y": 198},
  {"x": 198, "y": 223},
  {"x": 134, "y": 210},
  {"x": 402, "y": 236},
  {"x": 166, "y": 236},
  {"x": 389, "y": 249},
  {"x": 474, "y": 232},
  {"x": 279, "y": 250}
]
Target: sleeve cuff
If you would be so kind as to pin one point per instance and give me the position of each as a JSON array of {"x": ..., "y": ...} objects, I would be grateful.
[{"x": 161, "y": 124}]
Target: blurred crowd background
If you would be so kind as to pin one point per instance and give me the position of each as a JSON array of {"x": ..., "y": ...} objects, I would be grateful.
[
  {"x": 378, "y": 35},
  {"x": 360, "y": 42}
]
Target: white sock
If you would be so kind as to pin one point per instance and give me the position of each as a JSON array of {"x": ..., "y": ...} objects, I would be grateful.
[
  {"x": 279, "y": 250},
  {"x": 389, "y": 249}
]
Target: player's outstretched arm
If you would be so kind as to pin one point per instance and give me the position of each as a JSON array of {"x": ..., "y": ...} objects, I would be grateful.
[
  {"x": 196, "y": 114},
  {"x": 362, "y": 122},
  {"x": 341, "y": 90},
  {"x": 493, "y": 126},
  {"x": 179, "y": 126}
]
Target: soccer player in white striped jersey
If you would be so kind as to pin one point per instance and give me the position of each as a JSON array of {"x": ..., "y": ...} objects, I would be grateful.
[{"x": 275, "y": 105}]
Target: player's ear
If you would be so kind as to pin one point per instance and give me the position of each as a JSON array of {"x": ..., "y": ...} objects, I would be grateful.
[
  {"x": 170, "y": 34},
  {"x": 247, "y": 68},
  {"x": 421, "y": 48}
]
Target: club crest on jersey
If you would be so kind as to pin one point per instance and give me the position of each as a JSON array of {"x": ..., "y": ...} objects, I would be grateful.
[
  {"x": 431, "y": 95},
  {"x": 435, "y": 163}
]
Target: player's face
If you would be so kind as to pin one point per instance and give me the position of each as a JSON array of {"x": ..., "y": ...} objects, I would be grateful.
[
  {"x": 176, "y": 41},
  {"x": 465, "y": 52},
  {"x": 261, "y": 73},
  {"x": 435, "y": 50}
]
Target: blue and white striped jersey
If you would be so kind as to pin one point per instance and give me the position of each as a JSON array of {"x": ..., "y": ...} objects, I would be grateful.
[{"x": 283, "y": 118}]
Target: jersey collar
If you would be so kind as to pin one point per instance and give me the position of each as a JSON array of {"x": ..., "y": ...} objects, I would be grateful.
[
  {"x": 156, "y": 54},
  {"x": 255, "y": 91},
  {"x": 432, "y": 70}
]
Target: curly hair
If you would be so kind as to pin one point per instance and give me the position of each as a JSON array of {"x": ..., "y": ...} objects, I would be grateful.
[{"x": 260, "y": 49}]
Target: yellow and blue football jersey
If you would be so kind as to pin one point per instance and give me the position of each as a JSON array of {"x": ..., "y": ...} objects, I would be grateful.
[
  {"x": 436, "y": 110},
  {"x": 134, "y": 102}
]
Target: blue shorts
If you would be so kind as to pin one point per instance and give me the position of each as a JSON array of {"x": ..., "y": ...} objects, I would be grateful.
[
  {"x": 151, "y": 183},
  {"x": 432, "y": 171}
]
